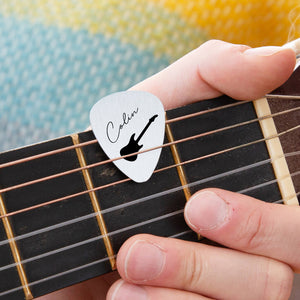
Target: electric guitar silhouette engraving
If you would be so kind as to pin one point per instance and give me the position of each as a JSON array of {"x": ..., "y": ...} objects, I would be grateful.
[{"x": 133, "y": 145}]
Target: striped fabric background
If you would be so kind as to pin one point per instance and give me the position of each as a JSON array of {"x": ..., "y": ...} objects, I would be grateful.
[{"x": 58, "y": 57}]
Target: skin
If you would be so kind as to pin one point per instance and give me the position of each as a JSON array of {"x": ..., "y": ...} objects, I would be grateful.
[{"x": 262, "y": 253}]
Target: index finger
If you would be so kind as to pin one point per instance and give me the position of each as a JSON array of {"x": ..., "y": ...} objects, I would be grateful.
[{"x": 217, "y": 68}]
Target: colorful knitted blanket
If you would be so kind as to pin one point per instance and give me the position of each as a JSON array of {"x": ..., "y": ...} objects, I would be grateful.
[{"x": 58, "y": 57}]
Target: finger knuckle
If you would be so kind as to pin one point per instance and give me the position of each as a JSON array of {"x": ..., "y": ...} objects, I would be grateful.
[
  {"x": 252, "y": 231},
  {"x": 277, "y": 281},
  {"x": 193, "y": 270}
]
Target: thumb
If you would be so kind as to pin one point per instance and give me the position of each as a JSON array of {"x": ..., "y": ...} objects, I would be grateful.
[{"x": 217, "y": 68}]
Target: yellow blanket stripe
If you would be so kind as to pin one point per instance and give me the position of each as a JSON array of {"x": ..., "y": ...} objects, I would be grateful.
[
  {"x": 253, "y": 22},
  {"x": 168, "y": 27}
]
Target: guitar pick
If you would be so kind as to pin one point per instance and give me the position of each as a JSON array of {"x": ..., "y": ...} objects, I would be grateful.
[{"x": 129, "y": 122}]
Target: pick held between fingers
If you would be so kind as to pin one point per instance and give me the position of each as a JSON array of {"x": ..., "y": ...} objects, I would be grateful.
[
  {"x": 244, "y": 223},
  {"x": 217, "y": 68}
]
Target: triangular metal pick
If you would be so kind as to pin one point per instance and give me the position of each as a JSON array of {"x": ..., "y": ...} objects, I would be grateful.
[{"x": 129, "y": 122}]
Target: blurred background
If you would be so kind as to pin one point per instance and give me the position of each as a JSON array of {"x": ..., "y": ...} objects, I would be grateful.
[{"x": 58, "y": 57}]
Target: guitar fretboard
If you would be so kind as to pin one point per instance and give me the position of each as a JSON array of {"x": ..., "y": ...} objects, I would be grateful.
[{"x": 61, "y": 244}]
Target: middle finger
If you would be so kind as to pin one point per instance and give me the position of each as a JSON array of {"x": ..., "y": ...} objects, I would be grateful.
[{"x": 206, "y": 270}]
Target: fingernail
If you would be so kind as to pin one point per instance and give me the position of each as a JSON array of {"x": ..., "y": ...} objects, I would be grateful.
[
  {"x": 264, "y": 51},
  {"x": 127, "y": 291},
  {"x": 206, "y": 211},
  {"x": 144, "y": 261}
]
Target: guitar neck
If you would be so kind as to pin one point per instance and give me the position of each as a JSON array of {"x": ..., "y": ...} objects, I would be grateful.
[{"x": 63, "y": 243}]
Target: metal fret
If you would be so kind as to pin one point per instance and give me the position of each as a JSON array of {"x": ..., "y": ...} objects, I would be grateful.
[
  {"x": 181, "y": 173},
  {"x": 180, "y": 170},
  {"x": 95, "y": 203},
  {"x": 15, "y": 251}
]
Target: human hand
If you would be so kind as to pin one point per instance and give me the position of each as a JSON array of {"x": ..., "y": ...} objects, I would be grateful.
[
  {"x": 260, "y": 235},
  {"x": 264, "y": 253},
  {"x": 209, "y": 71}
]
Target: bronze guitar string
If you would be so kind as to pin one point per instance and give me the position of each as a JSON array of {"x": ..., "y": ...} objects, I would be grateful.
[
  {"x": 103, "y": 259},
  {"x": 83, "y": 144},
  {"x": 144, "y": 151},
  {"x": 159, "y": 170}
]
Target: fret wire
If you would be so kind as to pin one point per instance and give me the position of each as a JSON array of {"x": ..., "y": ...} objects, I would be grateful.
[
  {"x": 99, "y": 237},
  {"x": 83, "y": 144},
  {"x": 15, "y": 252},
  {"x": 94, "y": 201},
  {"x": 177, "y": 160},
  {"x": 158, "y": 170},
  {"x": 143, "y": 151}
]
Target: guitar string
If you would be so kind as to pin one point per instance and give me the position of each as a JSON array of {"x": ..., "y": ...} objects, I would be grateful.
[
  {"x": 79, "y": 268},
  {"x": 118, "y": 231},
  {"x": 32, "y": 182},
  {"x": 94, "y": 141},
  {"x": 94, "y": 239},
  {"x": 156, "y": 171},
  {"x": 146, "y": 198},
  {"x": 103, "y": 259},
  {"x": 291, "y": 97}
]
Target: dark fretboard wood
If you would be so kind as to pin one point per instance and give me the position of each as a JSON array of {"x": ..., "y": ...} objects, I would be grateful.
[
  {"x": 160, "y": 196},
  {"x": 291, "y": 141}
]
